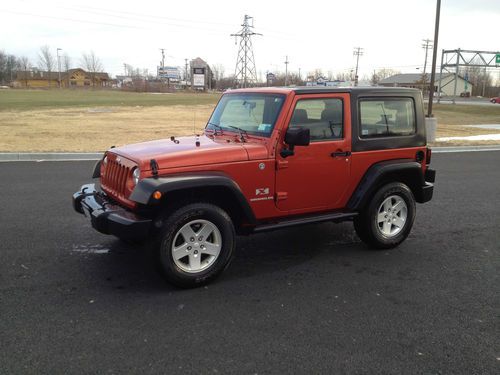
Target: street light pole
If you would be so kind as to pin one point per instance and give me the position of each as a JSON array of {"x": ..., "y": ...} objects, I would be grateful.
[
  {"x": 59, "y": 67},
  {"x": 434, "y": 55}
]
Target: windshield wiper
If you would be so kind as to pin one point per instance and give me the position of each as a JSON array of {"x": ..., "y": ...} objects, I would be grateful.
[
  {"x": 217, "y": 127},
  {"x": 243, "y": 133}
]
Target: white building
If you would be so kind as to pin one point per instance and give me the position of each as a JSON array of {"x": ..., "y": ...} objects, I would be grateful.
[{"x": 414, "y": 80}]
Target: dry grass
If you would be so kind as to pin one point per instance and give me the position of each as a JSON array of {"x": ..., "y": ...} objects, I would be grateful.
[
  {"x": 83, "y": 129},
  {"x": 68, "y": 120}
]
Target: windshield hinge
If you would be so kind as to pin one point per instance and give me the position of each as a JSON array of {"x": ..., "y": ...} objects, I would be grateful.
[{"x": 154, "y": 167}]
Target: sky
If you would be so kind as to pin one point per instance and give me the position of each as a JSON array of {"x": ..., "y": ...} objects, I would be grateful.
[{"x": 313, "y": 34}]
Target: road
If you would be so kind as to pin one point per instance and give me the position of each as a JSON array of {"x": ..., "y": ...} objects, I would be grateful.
[{"x": 307, "y": 300}]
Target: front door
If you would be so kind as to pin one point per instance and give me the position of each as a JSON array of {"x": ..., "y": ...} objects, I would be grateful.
[{"x": 316, "y": 177}]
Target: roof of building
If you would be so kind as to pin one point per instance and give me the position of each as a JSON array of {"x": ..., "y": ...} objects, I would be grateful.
[
  {"x": 40, "y": 74},
  {"x": 411, "y": 78}
]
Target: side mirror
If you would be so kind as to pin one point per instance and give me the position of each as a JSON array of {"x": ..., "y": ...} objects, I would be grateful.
[
  {"x": 295, "y": 137},
  {"x": 298, "y": 137}
]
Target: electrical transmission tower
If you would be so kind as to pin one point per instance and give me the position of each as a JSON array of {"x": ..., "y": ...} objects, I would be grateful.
[{"x": 245, "y": 73}]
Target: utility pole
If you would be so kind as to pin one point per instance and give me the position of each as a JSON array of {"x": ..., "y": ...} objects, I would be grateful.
[
  {"x": 434, "y": 56},
  {"x": 245, "y": 73},
  {"x": 286, "y": 70},
  {"x": 426, "y": 45},
  {"x": 186, "y": 71},
  {"x": 163, "y": 66},
  {"x": 59, "y": 66},
  {"x": 358, "y": 51},
  {"x": 300, "y": 78}
]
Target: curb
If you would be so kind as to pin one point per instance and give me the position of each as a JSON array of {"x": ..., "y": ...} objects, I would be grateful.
[
  {"x": 88, "y": 156},
  {"x": 49, "y": 156},
  {"x": 447, "y": 149}
]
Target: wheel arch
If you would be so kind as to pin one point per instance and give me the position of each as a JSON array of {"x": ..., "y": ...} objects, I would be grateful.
[
  {"x": 406, "y": 171},
  {"x": 180, "y": 189}
]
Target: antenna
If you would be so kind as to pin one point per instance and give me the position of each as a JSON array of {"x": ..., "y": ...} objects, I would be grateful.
[{"x": 245, "y": 73}]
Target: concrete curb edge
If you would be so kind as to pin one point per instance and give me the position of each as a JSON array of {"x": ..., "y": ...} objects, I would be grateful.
[{"x": 85, "y": 156}]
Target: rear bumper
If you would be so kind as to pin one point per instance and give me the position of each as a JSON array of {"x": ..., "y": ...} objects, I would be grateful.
[
  {"x": 109, "y": 218},
  {"x": 428, "y": 188}
]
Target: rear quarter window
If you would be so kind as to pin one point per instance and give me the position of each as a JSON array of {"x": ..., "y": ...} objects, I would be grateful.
[{"x": 386, "y": 117}]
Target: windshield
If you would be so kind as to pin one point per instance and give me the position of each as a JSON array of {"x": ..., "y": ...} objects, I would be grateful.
[{"x": 251, "y": 113}]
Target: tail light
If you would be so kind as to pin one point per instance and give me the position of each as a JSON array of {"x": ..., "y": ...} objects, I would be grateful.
[{"x": 428, "y": 156}]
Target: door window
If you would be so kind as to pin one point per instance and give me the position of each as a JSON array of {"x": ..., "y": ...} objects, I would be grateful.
[{"x": 323, "y": 117}]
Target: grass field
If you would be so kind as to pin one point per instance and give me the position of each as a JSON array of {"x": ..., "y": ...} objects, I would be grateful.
[
  {"x": 79, "y": 120},
  {"x": 26, "y": 100}
]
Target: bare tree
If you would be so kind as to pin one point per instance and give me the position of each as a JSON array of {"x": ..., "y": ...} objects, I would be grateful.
[
  {"x": 24, "y": 66},
  {"x": 8, "y": 66},
  {"x": 343, "y": 77},
  {"x": 92, "y": 64},
  {"x": 218, "y": 71},
  {"x": 3, "y": 67},
  {"x": 66, "y": 67},
  {"x": 46, "y": 61}
]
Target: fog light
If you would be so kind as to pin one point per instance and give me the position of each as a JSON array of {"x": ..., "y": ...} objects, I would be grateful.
[{"x": 157, "y": 195}]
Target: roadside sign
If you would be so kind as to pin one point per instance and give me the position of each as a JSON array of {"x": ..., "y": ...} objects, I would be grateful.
[{"x": 498, "y": 58}]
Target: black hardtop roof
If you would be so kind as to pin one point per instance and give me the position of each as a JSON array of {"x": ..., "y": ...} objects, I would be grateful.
[{"x": 357, "y": 90}]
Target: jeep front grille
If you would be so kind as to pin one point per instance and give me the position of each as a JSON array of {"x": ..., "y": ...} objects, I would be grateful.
[{"x": 114, "y": 179}]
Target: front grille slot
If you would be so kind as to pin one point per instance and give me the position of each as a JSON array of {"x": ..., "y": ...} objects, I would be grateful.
[{"x": 114, "y": 179}]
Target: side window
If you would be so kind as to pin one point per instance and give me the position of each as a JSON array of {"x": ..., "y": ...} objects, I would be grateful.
[
  {"x": 386, "y": 117},
  {"x": 323, "y": 117}
]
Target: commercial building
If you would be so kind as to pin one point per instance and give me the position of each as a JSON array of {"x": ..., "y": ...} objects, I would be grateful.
[{"x": 72, "y": 78}]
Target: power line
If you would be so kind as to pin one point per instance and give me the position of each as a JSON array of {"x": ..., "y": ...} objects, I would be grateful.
[
  {"x": 73, "y": 20},
  {"x": 245, "y": 72}
]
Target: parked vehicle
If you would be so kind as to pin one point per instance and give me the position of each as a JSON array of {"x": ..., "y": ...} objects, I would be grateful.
[
  {"x": 268, "y": 159},
  {"x": 496, "y": 99}
]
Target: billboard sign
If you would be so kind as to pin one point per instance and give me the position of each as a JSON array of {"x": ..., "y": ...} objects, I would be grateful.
[
  {"x": 199, "y": 80},
  {"x": 171, "y": 72}
]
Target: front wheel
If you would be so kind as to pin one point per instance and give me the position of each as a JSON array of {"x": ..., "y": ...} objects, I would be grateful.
[
  {"x": 388, "y": 218},
  {"x": 196, "y": 244}
]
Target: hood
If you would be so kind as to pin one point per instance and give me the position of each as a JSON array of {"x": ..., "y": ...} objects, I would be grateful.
[{"x": 183, "y": 152}]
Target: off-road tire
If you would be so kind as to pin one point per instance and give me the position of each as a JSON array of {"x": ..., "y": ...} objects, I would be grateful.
[
  {"x": 371, "y": 231},
  {"x": 175, "y": 271}
]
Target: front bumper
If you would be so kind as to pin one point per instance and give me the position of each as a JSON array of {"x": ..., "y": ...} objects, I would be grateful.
[{"x": 107, "y": 217}]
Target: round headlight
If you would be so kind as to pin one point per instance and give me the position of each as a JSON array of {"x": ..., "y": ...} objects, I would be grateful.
[{"x": 135, "y": 175}]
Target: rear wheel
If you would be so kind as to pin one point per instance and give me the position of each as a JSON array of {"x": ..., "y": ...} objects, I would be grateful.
[
  {"x": 388, "y": 218},
  {"x": 196, "y": 244}
]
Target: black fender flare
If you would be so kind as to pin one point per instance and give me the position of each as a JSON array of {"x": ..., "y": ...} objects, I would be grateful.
[
  {"x": 144, "y": 190},
  {"x": 97, "y": 169},
  {"x": 409, "y": 170}
]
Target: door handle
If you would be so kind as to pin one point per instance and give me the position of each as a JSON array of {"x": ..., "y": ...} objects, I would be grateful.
[{"x": 337, "y": 154}]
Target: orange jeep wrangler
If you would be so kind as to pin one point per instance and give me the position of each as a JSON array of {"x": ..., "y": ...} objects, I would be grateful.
[{"x": 268, "y": 158}]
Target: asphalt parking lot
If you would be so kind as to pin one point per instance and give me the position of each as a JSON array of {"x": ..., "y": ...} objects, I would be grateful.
[{"x": 306, "y": 300}]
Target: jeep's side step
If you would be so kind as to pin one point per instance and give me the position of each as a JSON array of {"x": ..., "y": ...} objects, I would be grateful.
[{"x": 336, "y": 216}]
